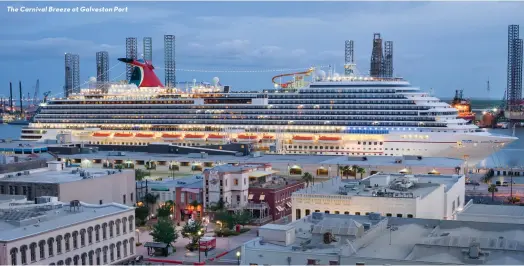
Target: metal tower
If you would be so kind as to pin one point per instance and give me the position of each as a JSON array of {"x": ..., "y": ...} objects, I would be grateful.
[
  {"x": 72, "y": 74},
  {"x": 169, "y": 60},
  {"x": 148, "y": 49},
  {"x": 131, "y": 52},
  {"x": 102, "y": 70},
  {"x": 387, "y": 66},
  {"x": 514, "y": 75},
  {"x": 376, "y": 56},
  {"x": 349, "y": 58}
]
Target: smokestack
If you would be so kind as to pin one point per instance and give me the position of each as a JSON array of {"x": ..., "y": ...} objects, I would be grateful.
[
  {"x": 21, "y": 107},
  {"x": 11, "y": 97}
]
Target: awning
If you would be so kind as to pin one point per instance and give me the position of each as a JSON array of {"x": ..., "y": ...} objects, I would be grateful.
[
  {"x": 257, "y": 174},
  {"x": 262, "y": 197},
  {"x": 288, "y": 204},
  {"x": 191, "y": 190},
  {"x": 250, "y": 197},
  {"x": 279, "y": 208}
]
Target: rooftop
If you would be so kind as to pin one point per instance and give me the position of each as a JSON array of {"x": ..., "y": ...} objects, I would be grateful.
[
  {"x": 493, "y": 210},
  {"x": 419, "y": 240},
  {"x": 298, "y": 159},
  {"x": 228, "y": 168},
  {"x": 383, "y": 185},
  {"x": 29, "y": 220},
  {"x": 274, "y": 182},
  {"x": 48, "y": 176},
  {"x": 184, "y": 182}
]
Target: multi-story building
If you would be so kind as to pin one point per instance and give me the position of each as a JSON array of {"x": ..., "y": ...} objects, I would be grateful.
[
  {"x": 421, "y": 196},
  {"x": 75, "y": 233},
  {"x": 95, "y": 186},
  {"x": 331, "y": 239},
  {"x": 229, "y": 183}
]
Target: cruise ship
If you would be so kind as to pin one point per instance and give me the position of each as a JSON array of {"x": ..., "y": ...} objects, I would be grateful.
[{"x": 328, "y": 114}]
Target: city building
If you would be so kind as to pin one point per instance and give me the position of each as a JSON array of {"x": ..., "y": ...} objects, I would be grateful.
[
  {"x": 72, "y": 74},
  {"x": 183, "y": 192},
  {"x": 421, "y": 196},
  {"x": 89, "y": 185},
  {"x": 323, "y": 166},
  {"x": 335, "y": 239},
  {"x": 75, "y": 233},
  {"x": 275, "y": 191},
  {"x": 229, "y": 183},
  {"x": 102, "y": 70},
  {"x": 492, "y": 213}
]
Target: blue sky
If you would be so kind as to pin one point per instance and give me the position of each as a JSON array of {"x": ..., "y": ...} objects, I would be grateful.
[{"x": 439, "y": 45}]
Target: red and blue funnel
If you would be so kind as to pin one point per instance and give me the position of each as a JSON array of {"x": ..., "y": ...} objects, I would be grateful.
[{"x": 143, "y": 74}]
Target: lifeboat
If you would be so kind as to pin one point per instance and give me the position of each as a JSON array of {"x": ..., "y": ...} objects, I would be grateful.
[
  {"x": 123, "y": 135},
  {"x": 247, "y": 138},
  {"x": 195, "y": 137},
  {"x": 215, "y": 137},
  {"x": 145, "y": 135},
  {"x": 101, "y": 134},
  {"x": 171, "y": 137},
  {"x": 326, "y": 139},
  {"x": 268, "y": 138},
  {"x": 303, "y": 139}
]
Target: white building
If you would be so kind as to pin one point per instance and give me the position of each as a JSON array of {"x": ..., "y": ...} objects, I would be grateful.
[
  {"x": 229, "y": 182},
  {"x": 492, "y": 213},
  {"x": 331, "y": 239},
  {"x": 72, "y": 233},
  {"x": 397, "y": 195},
  {"x": 90, "y": 185}
]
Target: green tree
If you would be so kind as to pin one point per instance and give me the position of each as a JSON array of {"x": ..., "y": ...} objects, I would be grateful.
[
  {"x": 191, "y": 229},
  {"x": 361, "y": 171},
  {"x": 354, "y": 170},
  {"x": 164, "y": 231},
  {"x": 163, "y": 212},
  {"x": 227, "y": 219},
  {"x": 141, "y": 214},
  {"x": 218, "y": 206},
  {"x": 307, "y": 177},
  {"x": 243, "y": 217},
  {"x": 345, "y": 171},
  {"x": 492, "y": 189},
  {"x": 140, "y": 174}
]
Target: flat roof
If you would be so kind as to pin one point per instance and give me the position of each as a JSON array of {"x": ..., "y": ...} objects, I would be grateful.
[
  {"x": 362, "y": 187},
  {"x": 412, "y": 239},
  {"x": 48, "y": 176},
  {"x": 187, "y": 182},
  {"x": 270, "y": 158},
  {"x": 35, "y": 219},
  {"x": 493, "y": 210}
]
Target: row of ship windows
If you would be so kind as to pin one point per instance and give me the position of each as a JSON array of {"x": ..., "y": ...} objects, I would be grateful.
[
  {"x": 322, "y": 119},
  {"x": 336, "y": 101},
  {"x": 244, "y": 107},
  {"x": 307, "y": 212}
]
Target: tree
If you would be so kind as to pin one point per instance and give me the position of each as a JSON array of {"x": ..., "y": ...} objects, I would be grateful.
[
  {"x": 141, "y": 214},
  {"x": 243, "y": 217},
  {"x": 307, "y": 177},
  {"x": 191, "y": 229},
  {"x": 163, "y": 212},
  {"x": 361, "y": 171},
  {"x": 140, "y": 174},
  {"x": 354, "y": 170},
  {"x": 164, "y": 232},
  {"x": 225, "y": 218},
  {"x": 493, "y": 188},
  {"x": 345, "y": 170},
  {"x": 151, "y": 199}
]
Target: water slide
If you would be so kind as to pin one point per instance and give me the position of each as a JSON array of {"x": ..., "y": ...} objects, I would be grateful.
[{"x": 298, "y": 75}]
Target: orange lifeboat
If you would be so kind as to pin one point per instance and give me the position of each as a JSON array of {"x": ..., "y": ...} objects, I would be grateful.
[
  {"x": 247, "y": 138},
  {"x": 101, "y": 134},
  {"x": 326, "y": 139},
  {"x": 171, "y": 137},
  {"x": 123, "y": 135},
  {"x": 145, "y": 135},
  {"x": 215, "y": 137},
  {"x": 303, "y": 139},
  {"x": 268, "y": 137},
  {"x": 194, "y": 137}
]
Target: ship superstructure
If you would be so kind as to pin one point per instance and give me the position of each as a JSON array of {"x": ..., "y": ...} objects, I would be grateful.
[{"x": 329, "y": 115}]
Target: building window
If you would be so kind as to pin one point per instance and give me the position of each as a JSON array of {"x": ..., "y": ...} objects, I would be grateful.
[
  {"x": 297, "y": 213},
  {"x": 388, "y": 214},
  {"x": 131, "y": 197},
  {"x": 97, "y": 233},
  {"x": 32, "y": 250},
  {"x": 125, "y": 247},
  {"x": 317, "y": 210},
  {"x": 118, "y": 221},
  {"x": 311, "y": 261},
  {"x": 346, "y": 213},
  {"x": 50, "y": 244},
  {"x": 23, "y": 253},
  {"x": 357, "y": 213},
  {"x": 458, "y": 202},
  {"x": 124, "y": 199},
  {"x": 60, "y": 262},
  {"x": 124, "y": 225},
  {"x": 112, "y": 252},
  {"x": 333, "y": 262},
  {"x": 104, "y": 252},
  {"x": 399, "y": 215},
  {"x": 75, "y": 239},
  {"x": 308, "y": 212},
  {"x": 238, "y": 198},
  {"x": 104, "y": 231},
  {"x": 337, "y": 212},
  {"x": 98, "y": 251},
  {"x": 76, "y": 259},
  {"x": 410, "y": 215},
  {"x": 111, "y": 225},
  {"x": 235, "y": 182},
  {"x": 90, "y": 235},
  {"x": 82, "y": 237},
  {"x": 326, "y": 212},
  {"x": 83, "y": 257},
  {"x": 58, "y": 245},
  {"x": 41, "y": 247},
  {"x": 68, "y": 261},
  {"x": 131, "y": 223},
  {"x": 14, "y": 254},
  {"x": 118, "y": 248},
  {"x": 91, "y": 257},
  {"x": 100, "y": 202},
  {"x": 132, "y": 246}
]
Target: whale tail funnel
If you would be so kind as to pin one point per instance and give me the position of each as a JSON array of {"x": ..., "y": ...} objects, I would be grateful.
[{"x": 143, "y": 74}]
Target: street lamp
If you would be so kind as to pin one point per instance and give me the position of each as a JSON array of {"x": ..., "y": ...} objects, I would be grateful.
[
  {"x": 238, "y": 257},
  {"x": 199, "y": 233},
  {"x": 138, "y": 235}
]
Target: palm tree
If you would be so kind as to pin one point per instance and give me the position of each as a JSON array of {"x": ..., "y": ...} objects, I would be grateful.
[
  {"x": 354, "y": 169},
  {"x": 493, "y": 188},
  {"x": 151, "y": 199},
  {"x": 361, "y": 171},
  {"x": 307, "y": 177},
  {"x": 345, "y": 171}
]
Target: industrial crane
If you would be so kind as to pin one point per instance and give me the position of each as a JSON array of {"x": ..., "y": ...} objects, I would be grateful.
[
  {"x": 45, "y": 96},
  {"x": 37, "y": 88}
]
